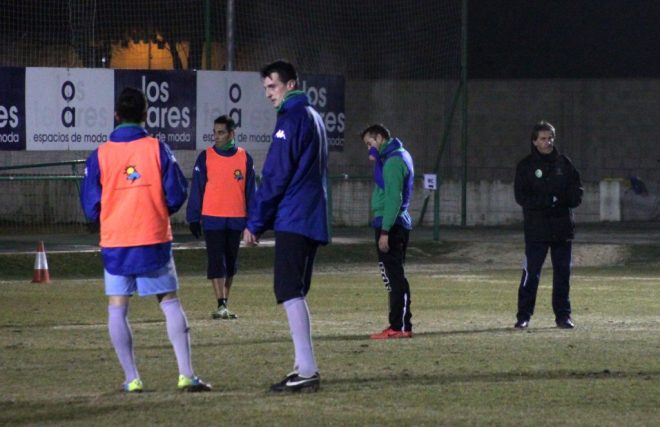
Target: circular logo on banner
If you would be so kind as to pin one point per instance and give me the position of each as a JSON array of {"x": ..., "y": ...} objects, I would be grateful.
[{"x": 538, "y": 173}]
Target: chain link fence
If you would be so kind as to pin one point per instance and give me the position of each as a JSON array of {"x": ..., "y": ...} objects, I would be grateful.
[
  {"x": 367, "y": 39},
  {"x": 397, "y": 40}
]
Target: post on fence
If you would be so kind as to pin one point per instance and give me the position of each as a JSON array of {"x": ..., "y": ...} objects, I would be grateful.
[
  {"x": 329, "y": 190},
  {"x": 431, "y": 184},
  {"x": 207, "y": 33},
  {"x": 436, "y": 214},
  {"x": 610, "y": 200}
]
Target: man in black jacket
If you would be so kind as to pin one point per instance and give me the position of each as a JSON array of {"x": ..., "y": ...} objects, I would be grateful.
[{"x": 548, "y": 187}]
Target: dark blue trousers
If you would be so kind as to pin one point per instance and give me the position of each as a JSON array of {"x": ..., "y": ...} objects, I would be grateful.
[
  {"x": 535, "y": 253},
  {"x": 294, "y": 262},
  {"x": 392, "y": 269}
]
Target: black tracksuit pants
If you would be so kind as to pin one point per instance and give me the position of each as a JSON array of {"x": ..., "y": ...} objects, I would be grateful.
[
  {"x": 535, "y": 253},
  {"x": 392, "y": 270}
]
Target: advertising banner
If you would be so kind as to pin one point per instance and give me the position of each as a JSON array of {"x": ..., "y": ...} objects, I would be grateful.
[
  {"x": 239, "y": 95},
  {"x": 73, "y": 108},
  {"x": 326, "y": 95},
  {"x": 12, "y": 109},
  {"x": 68, "y": 108},
  {"x": 172, "y": 107}
]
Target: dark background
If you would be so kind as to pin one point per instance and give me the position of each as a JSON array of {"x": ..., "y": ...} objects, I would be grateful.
[
  {"x": 514, "y": 39},
  {"x": 398, "y": 39}
]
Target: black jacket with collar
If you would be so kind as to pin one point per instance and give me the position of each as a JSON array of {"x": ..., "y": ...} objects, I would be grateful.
[{"x": 547, "y": 187}]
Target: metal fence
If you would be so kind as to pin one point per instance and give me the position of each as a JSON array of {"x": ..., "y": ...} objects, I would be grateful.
[
  {"x": 41, "y": 197},
  {"x": 365, "y": 39},
  {"x": 49, "y": 203}
]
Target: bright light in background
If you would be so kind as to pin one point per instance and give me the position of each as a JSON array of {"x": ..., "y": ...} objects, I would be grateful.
[{"x": 152, "y": 55}]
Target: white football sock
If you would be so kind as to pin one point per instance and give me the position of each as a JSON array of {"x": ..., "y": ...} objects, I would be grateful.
[{"x": 301, "y": 332}]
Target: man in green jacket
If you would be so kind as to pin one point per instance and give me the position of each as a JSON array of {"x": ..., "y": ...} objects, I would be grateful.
[{"x": 393, "y": 176}]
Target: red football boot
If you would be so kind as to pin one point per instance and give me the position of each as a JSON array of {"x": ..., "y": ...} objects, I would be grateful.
[{"x": 391, "y": 333}]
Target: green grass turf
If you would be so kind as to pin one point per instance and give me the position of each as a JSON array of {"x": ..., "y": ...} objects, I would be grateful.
[
  {"x": 73, "y": 265},
  {"x": 465, "y": 365}
]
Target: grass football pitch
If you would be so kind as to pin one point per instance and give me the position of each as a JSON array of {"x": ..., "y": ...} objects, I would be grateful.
[{"x": 466, "y": 365}]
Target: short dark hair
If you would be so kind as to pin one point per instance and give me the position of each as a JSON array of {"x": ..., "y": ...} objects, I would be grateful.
[
  {"x": 229, "y": 123},
  {"x": 283, "y": 68},
  {"x": 376, "y": 129},
  {"x": 542, "y": 126},
  {"x": 131, "y": 105}
]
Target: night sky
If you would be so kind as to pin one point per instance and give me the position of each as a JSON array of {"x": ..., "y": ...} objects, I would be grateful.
[{"x": 564, "y": 39}]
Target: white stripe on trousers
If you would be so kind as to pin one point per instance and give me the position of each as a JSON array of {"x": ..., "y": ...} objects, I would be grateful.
[
  {"x": 405, "y": 310},
  {"x": 524, "y": 283}
]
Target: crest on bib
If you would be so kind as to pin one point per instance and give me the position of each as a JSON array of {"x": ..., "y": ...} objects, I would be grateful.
[{"x": 131, "y": 173}]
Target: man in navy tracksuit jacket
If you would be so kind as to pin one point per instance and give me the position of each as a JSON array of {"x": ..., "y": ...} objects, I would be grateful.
[
  {"x": 548, "y": 187},
  {"x": 292, "y": 201}
]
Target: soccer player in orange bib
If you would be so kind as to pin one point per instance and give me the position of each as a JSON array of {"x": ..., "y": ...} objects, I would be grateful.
[
  {"x": 222, "y": 186},
  {"x": 132, "y": 185}
]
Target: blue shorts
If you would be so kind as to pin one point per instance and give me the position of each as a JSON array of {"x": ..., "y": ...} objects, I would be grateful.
[{"x": 161, "y": 281}]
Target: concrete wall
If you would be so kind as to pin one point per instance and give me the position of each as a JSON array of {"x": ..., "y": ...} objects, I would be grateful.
[
  {"x": 609, "y": 128},
  {"x": 488, "y": 203}
]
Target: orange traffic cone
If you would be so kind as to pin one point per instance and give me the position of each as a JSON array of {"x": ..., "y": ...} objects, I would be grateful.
[{"x": 40, "y": 274}]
